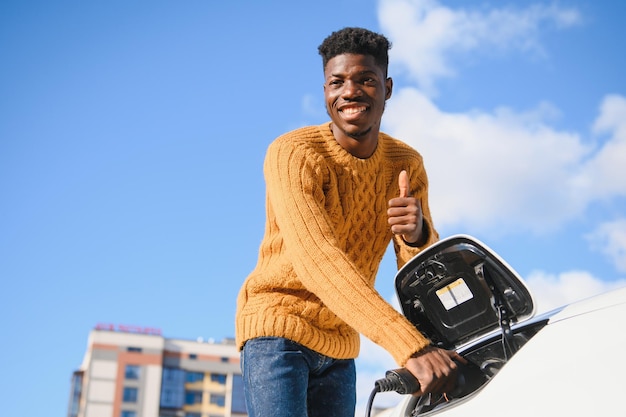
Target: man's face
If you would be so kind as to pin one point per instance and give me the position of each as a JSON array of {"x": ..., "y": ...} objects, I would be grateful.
[{"x": 355, "y": 91}]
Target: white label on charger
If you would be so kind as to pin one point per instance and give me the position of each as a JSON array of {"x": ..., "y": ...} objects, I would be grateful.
[{"x": 454, "y": 294}]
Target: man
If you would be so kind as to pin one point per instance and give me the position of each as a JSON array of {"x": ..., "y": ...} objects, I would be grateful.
[{"x": 337, "y": 194}]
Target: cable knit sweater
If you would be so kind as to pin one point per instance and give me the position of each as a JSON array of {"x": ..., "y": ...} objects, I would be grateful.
[{"x": 325, "y": 235}]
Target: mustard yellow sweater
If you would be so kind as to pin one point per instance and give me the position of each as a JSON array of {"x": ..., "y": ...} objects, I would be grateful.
[{"x": 325, "y": 235}]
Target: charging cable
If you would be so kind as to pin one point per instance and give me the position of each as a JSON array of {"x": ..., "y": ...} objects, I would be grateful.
[{"x": 399, "y": 380}]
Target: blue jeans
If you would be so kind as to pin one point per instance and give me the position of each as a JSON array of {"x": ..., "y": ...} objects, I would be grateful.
[{"x": 285, "y": 379}]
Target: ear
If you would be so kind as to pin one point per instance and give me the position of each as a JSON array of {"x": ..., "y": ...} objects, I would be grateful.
[{"x": 389, "y": 88}]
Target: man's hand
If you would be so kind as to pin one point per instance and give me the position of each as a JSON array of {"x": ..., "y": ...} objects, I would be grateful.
[
  {"x": 435, "y": 370},
  {"x": 405, "y": 213}
]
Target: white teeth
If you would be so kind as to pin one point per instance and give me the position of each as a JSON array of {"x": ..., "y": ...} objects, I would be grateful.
[{"x": 353, "y": 110}]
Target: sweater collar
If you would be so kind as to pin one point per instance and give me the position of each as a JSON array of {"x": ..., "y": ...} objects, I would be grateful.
[{"x": 346, "y": 156}]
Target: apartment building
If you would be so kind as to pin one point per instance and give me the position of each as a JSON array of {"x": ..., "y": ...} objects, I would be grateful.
[{"x": 130, "y": 371}]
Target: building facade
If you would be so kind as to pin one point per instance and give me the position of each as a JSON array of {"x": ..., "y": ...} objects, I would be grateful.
[{"x": 136, "y": 372}]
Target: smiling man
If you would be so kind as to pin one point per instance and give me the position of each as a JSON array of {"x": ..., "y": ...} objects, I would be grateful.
[{"x": 337, "y": 195}]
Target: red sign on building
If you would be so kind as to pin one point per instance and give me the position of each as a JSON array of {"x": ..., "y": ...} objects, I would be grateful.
[{"x": 129, "y": 329}]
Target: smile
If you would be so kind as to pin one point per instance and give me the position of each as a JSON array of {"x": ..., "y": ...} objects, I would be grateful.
[{"x": 353, "y": 110}]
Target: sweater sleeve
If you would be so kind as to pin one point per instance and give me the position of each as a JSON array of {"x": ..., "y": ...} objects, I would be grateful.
[{"x": 294, "y": 188}]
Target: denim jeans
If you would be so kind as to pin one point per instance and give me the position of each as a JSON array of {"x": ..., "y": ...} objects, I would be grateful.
[{"x": 285, "y": 379}]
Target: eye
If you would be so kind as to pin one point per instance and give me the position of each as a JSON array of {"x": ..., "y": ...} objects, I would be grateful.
[{"x": 369, "y": 81}]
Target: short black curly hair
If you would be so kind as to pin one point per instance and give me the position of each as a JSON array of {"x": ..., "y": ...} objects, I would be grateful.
[{"x": 353, "y": 40}]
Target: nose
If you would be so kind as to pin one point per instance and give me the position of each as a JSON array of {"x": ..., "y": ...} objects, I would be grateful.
[{"x": 351, "y": 90}]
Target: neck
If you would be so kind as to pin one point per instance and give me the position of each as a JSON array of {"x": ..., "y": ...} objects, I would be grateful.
[{"x": 361, "y": 145}]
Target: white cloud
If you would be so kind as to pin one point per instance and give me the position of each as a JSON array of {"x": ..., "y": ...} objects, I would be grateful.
[
  {"x": 551, "y": 291},
  {"x": 502, "y": 171},
  {"x": 610, "y": 239},
  {"x": 605, "y": 174},
  {"x": 425, "y": 33}
]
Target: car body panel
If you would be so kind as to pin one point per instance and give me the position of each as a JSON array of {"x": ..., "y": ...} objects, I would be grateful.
[
  {"x": 570, "y": 364},
  {"x": 572, "y": 367}
]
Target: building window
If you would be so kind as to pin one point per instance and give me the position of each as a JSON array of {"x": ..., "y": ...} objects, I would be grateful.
[
  {"x": 193, "y": 397},
  {"x": 130, "y": 395},
  {"x": 173, "y": 388},
  {"x": 126, "y": 413},
  {"x": 218, "y": 399},
  {"x": 131, "y": 372},
  {"x": 237, "y": 399},
  {"x": 76, "y": 393},
  {"x": 193, "y": 356},
  {"x": 174, "y": 375},
  {"x": 194, "y": 376},
  {"x": 133, "y": 349},
  {"x": 225, "y": 360},
  {"x": 219, "y": 378}
]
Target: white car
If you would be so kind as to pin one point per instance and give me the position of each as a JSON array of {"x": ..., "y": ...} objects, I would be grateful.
[{"x": 567, "y": 362}]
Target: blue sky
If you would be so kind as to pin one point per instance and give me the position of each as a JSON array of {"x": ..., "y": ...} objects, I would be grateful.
[{"x": 132, "y": 137}]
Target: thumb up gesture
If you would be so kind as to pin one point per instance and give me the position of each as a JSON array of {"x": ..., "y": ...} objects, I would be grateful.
[{"x": 405, "y": 212}]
